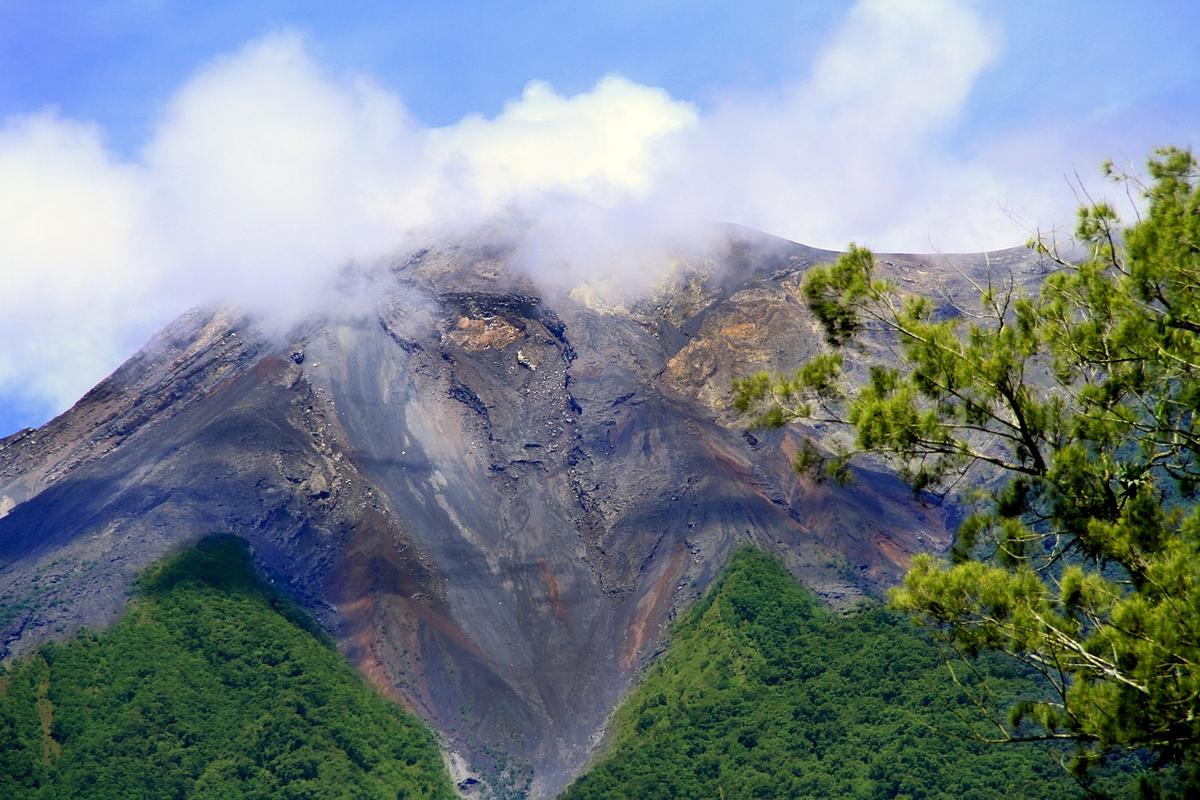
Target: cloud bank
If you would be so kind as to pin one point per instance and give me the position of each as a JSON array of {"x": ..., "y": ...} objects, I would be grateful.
[{"x": 265, "y": 174}]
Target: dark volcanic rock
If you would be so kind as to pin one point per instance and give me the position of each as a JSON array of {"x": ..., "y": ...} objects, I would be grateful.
[{"x": 495, "y": 502}]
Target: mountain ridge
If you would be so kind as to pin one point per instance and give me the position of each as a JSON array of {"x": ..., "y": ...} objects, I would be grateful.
[{"x": 494, "y": 496}]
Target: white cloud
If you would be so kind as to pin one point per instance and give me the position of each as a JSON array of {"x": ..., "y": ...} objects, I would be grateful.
[
  {"x": 857, "y": 150},
  {"x": 263, "y": 177},
  {"x": 901, "y": 66},
  {"x": 265, "y": 174},
  {"x": 577, "y": 172},
  {"x": 606, "y": 146},
  {"x": 73, "y": 256}
]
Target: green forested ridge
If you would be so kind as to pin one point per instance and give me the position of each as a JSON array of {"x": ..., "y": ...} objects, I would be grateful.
[
  {"x": 212, "y": 685},
  {"x": 763, "y": 693}
]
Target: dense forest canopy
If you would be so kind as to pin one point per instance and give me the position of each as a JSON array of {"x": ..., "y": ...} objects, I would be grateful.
[
  {"x": 212, "y": 685},
  {"x": 1083, "y": 559},
  {"x": 764, "y": 693}
]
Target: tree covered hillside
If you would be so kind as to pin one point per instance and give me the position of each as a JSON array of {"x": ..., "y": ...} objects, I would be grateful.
[
  {"x": 762, "y": 693},
  {"x": 212, "y": 685}
]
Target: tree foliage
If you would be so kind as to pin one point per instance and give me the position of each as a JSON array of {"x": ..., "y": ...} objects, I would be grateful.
[
  {"x": 763, "y": 693},
  {"x": 1072, "y": 410},
  {"x": 212, "y": 685}
]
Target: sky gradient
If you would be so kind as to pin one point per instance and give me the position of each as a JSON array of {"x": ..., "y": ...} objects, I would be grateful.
[{"x": 156, "y": 155}]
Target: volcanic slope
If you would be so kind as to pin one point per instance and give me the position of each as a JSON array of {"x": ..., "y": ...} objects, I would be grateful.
[{"x": 495, "y": 500}]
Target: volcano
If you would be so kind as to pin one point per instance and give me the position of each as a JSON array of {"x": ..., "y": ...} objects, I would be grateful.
[{"x": 495, "y": 497}]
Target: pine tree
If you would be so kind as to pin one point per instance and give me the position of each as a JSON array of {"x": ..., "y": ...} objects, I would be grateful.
[{"x": 1073, "y": 411}]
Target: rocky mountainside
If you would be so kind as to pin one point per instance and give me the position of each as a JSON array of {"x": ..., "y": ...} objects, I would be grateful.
[{"x": 495, "y": 498}]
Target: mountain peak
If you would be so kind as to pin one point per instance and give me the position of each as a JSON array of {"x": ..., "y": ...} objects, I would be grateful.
[{"x": 495, "y": 497}]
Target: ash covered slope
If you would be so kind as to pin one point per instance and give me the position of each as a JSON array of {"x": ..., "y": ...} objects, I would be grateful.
[{"x": 495, "y": 501}]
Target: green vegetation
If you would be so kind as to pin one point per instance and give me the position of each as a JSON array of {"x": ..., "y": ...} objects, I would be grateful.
[
  {"x": 1084, "y": 560},
  {"x": 763, "y": 693},
  {"x": 212, "y": 685}
]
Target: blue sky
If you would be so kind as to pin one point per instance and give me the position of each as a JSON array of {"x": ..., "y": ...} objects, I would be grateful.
[{"x": 155, "y": 155}]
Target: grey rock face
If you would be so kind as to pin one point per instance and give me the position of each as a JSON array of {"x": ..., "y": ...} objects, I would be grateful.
[{"x": 495, "y": 501}]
